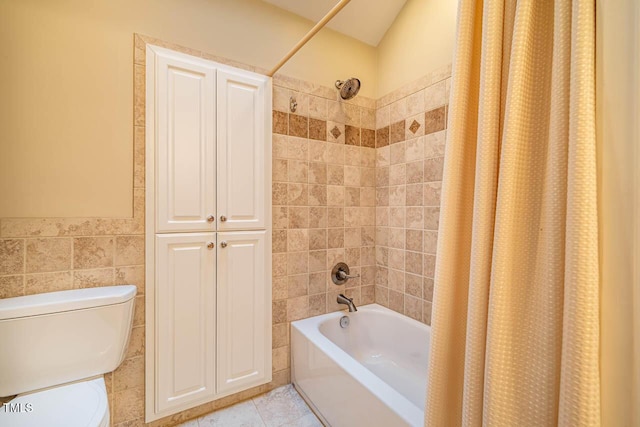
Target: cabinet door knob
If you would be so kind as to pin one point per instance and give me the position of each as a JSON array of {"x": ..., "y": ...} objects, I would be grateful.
[
  {"x": 223, "y": 218},
  {"x": 210, "y": 245},
  {"x": 211, "y": 218},
  {"x": 223, "y": 244}
]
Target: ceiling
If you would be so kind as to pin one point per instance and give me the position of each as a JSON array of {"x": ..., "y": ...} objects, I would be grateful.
[{"x": 364, "y": 20}]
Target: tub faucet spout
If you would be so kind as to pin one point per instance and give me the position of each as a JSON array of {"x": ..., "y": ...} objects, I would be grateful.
[{"x": 348, "y": 302}]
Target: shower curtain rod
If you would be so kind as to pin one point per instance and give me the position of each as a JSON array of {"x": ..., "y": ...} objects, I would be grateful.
[{"x": 337, "y": 8}]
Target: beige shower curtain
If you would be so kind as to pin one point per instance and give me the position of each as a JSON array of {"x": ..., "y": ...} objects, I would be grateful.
[{"x": 516, "y": 308}]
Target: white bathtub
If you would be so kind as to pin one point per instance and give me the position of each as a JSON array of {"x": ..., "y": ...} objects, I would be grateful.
[{"x": 371, "y": 373}]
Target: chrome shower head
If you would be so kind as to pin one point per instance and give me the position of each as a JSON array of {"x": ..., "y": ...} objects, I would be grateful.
[{"x": 348, "y": 88}]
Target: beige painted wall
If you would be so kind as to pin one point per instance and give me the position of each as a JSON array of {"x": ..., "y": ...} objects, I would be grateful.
[
  {"x": 67, "y": 82},
  {"x": 617, "y": 97},
  {"x": 420, "y": 40}
]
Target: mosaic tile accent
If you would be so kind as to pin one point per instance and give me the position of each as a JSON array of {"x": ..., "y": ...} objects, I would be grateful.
[
  {"x": 336, "y": 132},
  {"x": 414, "y": 126}
]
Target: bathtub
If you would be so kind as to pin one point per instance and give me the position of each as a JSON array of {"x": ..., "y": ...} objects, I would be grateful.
[{"x": 371, "y": 373}]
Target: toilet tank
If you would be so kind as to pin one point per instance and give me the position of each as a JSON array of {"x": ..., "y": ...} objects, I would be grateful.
[{"x": 59, "y": 337}]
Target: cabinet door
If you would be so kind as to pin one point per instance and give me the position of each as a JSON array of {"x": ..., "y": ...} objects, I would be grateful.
[
  {"x": 242, "y": 139},
  {"x": 185, "y": 145},
  {"x": 185, "y": 320},
  {"x": 244, "y": 311}
]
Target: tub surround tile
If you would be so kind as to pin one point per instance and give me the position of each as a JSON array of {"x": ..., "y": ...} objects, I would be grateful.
[
  {"x": 368, "y": 138},
  {"x": 409, "y": 164},
  {"x": 297, "y": 148},
  {"x": 318, "y": 151},
  {"x": 302, "y": 101},
  {"x": 435, "y": 95},
  {"x": 298, "y": 194},
  {"x": 297, "y": 308},
  {"x": 434, "y": 144},
  {"x": 413, "y": 307},
  {"x": 298, "y": 126},
  {"x": 12, "y": 286},
  {"x": 397, "y": 132},
  {"x": 298, "y": 171},
  {"x": 317, "y": 304},
  {"x": 435, "y": 120},
  {"x": 368, "y": 118},
  {"x": 336, "y": 132},
  {"x": 433, "y": 169},
  {"x": 318, "y": 107},
  {"x": 297, "y": 285},
  {"x": 317, "y": 129},
  {"x": 280, "y": 122},
  {"x": 317, "y": 173},
  {"x": 382, "y": 137},
  {"x": 352, "y": 135}
]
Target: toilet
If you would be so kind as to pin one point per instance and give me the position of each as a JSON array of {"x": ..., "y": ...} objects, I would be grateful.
[{"x": 55, "y": 349}]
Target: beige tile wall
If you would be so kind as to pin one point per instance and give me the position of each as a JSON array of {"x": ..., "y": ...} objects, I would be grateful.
[
  {"x": 323, "y": 204},
  {"x": 410, "y": 130}
]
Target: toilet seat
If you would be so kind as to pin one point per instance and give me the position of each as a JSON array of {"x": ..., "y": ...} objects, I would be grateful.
[{"x": 80, "y": 404}]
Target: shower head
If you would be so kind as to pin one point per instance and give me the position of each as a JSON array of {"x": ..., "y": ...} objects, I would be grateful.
[{"x": 348, "y": 88}]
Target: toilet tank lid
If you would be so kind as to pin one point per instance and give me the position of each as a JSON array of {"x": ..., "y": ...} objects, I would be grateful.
[{"x": 56, "y": 302}]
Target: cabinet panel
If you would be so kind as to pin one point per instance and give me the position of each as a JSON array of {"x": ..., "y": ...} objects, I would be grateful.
[
  {"x": 241, "y": 114},
  {"x": 185, "y": 319},
  {"x": 243, "y": 311},
  {"x": 185, "y": 133}
]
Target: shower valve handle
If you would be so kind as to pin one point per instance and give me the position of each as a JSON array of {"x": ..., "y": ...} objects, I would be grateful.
[{"x": 343, "y": 275}]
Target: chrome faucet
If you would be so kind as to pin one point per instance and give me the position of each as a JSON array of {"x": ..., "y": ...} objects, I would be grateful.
[{"x": 348, "y": 302}]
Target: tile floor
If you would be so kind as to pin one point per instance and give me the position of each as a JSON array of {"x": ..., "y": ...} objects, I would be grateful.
[{"x": 282, "y": 407}]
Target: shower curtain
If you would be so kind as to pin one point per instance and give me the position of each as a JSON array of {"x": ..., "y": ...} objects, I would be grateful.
[{"x": 516, "y": 307}]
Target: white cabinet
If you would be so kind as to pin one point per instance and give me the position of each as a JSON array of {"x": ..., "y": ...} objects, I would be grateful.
[
  {"x": 241, "y": 150},
  {"x": 186, "y": 145},
  {"x": 241, "y": 309},
  {"x": 208, "y": 281},
  {"x": 185, "y": 325}
]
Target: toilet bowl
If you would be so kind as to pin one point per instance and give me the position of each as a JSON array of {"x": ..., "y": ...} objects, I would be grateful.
[
  {"x": 80, "y": 404},
  {"x": 55, "y": 349}
]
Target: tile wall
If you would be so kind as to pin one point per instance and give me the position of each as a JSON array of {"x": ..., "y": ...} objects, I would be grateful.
[
  {"x": 410, "y": 141},
  {"x": 323, "y": 204}
]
